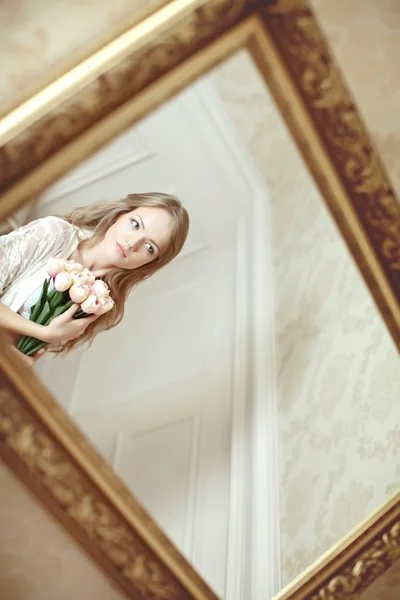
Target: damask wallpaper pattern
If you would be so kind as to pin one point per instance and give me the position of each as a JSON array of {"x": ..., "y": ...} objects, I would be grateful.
[
  {"x": 338, "y": 375},
  {"x": 337, "y": 369}
]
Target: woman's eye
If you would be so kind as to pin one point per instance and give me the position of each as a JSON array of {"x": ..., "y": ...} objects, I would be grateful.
[
  {"x": 135, "y": 223},
  {"x": 150, "y": 248}
]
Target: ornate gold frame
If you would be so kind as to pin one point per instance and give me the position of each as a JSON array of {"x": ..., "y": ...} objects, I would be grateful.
[{"x": 85, "y": 108}]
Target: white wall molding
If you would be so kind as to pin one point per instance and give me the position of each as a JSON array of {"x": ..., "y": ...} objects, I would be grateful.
[
  {"x": 253, "y": 566},
  {"x": 161, "y": 422}
]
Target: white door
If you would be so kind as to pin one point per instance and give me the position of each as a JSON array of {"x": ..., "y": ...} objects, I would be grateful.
[{"x": 155, "y": 394}]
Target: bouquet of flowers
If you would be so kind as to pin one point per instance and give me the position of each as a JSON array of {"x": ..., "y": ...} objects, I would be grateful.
[{"x": 71, "y": 283}]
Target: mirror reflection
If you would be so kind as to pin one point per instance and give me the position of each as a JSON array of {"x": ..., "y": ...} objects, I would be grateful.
[{"x": 248, "y": 394}]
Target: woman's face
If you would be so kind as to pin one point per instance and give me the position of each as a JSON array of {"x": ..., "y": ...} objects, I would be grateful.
[{"x": 138, "y": 237}]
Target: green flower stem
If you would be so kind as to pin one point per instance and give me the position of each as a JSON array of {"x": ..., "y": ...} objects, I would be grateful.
[
  {"x": 37, "y": 312},
  {"x": 34, "y": 347},
  {"x": 21, "y": 342},
  {"x": 44, "y": 318},
  {"x": 30, "y": 345},
  {"x": 49, "y": 306}
]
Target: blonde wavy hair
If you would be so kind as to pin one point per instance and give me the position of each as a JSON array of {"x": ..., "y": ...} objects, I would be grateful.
[{"x": 99, "y": 217}]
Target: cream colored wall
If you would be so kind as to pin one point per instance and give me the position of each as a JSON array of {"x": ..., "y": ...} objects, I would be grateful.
[
  {"x": 38, "y": 559},
  {"x": 337, "y": 369}
]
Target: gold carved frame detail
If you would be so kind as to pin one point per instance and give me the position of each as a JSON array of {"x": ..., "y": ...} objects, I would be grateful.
[{"x": 82, "y": 110}]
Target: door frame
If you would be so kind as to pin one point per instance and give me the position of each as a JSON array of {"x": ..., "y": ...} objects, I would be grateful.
[{"x": 253, "y": 562}]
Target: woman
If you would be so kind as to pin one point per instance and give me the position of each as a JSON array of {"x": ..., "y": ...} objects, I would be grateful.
[{"x": 122, "y": 242}]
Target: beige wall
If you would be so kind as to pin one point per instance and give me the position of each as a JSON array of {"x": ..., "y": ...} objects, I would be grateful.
[
  {"x": 337, "y": 369},
  {"x": 38, "y": 559}
]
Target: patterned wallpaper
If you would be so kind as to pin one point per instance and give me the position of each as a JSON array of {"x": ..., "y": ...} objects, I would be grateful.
[
  {"x": 337, "y": 369},
  {"x": 38, "y": 559}
]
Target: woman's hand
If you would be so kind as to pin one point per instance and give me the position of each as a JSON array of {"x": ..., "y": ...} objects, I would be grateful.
[{"x": 65, "y": 328}]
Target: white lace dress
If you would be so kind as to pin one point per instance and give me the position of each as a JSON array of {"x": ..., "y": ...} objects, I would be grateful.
[{"x": 24, "y": 254}]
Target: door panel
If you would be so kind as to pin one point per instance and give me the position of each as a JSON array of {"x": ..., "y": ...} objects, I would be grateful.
[{"x": 155, "y": 394}]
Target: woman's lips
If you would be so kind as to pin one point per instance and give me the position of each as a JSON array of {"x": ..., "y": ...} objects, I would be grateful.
[{"x": 120, "y": 250}]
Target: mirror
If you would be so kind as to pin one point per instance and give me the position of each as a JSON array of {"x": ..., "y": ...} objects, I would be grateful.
[
  {"x": 248, "y": 399},
  {"x": 170, "y": 395}
]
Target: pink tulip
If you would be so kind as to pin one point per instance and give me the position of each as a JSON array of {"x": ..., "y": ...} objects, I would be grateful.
[
  {"x": 55, "y": 266},
  {"x": 106, "y": 304},
  {"x": 72, "y": 267},
  {"x": 62, "y": 282},
  {"x": 78, "y": 277},
  {"x": 78, "y": 292},
  {"x": 91, "y": 305},
  {"x": 88, "y": 276},
  {"x": 100, "y": 289}
]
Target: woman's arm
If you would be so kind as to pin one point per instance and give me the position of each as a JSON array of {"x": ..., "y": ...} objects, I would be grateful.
[
  {"x": 28, "y": 360},
  {"x": 31, "y": 245},
  {"x": 15, "y": 323},
  {"x": 62, "y": 328},
  {"x": 26, "y": 246}
]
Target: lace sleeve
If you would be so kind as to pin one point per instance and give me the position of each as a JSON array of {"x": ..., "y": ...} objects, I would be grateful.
[{"x": 30, "y": 244}]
